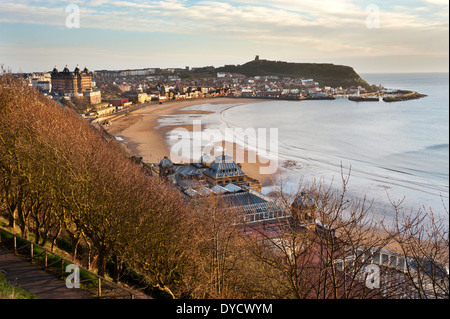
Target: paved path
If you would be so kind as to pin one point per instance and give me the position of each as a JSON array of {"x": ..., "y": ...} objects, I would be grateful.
[{"x": 35, "y": 280}]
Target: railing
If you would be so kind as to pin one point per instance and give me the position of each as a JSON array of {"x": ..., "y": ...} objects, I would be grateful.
[{"x": 102, "y": 283}]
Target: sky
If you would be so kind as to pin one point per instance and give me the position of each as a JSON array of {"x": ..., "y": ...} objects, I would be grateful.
[{"x": 372, "y": 36}]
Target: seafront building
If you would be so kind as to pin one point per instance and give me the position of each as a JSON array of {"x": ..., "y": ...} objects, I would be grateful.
[
  {"x": 76, "y": 84},
  {"x": 40, "y": 81},
  {"x": 224, "y": 179},
  {"x": 71, "y": 83}
]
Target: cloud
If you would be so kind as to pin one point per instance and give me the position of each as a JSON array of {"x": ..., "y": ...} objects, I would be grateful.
[
  {"x": 326, "y": 26},
  {"x": 443, "y": 3},
  {"x": 96, "y": 3}
]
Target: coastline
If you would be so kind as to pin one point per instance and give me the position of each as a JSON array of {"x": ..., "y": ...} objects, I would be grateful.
[{"x": 145, "y": 137}]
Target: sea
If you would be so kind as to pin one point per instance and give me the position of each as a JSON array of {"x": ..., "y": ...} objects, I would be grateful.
[{"x": 395, "y": 152}]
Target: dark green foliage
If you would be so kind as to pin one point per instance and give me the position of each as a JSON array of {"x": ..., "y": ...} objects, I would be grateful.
[{"x": 326, "y": 74}]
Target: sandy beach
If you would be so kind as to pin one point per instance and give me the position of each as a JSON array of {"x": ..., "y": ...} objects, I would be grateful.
[{"x": 145, "y": 137}]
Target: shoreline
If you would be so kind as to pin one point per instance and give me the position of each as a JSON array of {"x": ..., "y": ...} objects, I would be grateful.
[{"x": 143, "y": 135}]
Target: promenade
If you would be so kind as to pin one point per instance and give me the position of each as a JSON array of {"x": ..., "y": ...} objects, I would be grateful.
[{"x": 40, "y": 283}]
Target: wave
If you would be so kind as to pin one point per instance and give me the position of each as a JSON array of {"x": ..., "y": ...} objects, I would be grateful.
[
  {"x": 438, "y": 147},
  {"x": 421, "y": 174}
]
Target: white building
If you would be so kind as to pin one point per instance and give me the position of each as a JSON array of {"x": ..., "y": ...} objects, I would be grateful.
[{"x": 307, "y": 82}]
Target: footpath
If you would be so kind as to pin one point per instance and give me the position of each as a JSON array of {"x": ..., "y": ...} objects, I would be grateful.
[{"x": 40, "y": 283}]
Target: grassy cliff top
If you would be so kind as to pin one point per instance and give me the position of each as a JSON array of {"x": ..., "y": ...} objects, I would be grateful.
[{"x": 327, "y": 74}]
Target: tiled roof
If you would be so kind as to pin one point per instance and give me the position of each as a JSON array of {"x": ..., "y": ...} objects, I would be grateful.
[
  {"x": 189, "y": 170},
  {"x": 205, "y": 158},
  {"x": 224, "y": 166},
  {"x": 241, "y": 199},
  {"x": 165, "y": 162},
  {"x": 232, "y": 188},
  {"x": 189, "y": 183},
  {"x": 219, "y": 189},
  {"x": 255, "y": 208}
]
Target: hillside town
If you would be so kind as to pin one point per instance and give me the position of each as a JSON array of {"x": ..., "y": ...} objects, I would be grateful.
[{"x": 102, "y": 92}]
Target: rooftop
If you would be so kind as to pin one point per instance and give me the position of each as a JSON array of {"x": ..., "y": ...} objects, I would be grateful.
[{"x": 224, "y": 166}]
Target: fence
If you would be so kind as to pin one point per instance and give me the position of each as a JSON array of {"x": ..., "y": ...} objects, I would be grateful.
[{"x": 104, "y": 288}]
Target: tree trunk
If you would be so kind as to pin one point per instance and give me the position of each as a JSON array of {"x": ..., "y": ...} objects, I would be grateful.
[
  {"x": 22, "y": 223},
  {"x": 12, "y": 215},
  {"x": 75, "y": 241},
  {"x": 37, "y": 233},
  {"x": 101, "y": 262},
  {"x": 89, "y": 256},
  {"x": 23, "y": 219},
  {"x": 44, "y": 239},
  {"x": 117, "y": 268},
  {"x": 55, "y": 237}
]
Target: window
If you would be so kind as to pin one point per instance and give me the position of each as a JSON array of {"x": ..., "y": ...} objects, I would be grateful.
[
  {"x": 401, "y": 263},
  {"x": 376, "y": 258},
  {"x": 392, "y": 261}
]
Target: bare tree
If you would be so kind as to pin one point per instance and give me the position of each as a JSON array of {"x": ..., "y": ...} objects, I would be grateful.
[
  {"x": 309, "y": 251},
  {"x": 422, "y": 238},
  {"x": 216, "y": 246}
]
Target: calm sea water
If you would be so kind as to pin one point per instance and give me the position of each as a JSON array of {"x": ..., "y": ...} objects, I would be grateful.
[{"x": 396, "y": 150}]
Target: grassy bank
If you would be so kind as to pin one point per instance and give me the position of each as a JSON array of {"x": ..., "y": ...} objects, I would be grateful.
[{"x": 9, "y": 291}]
